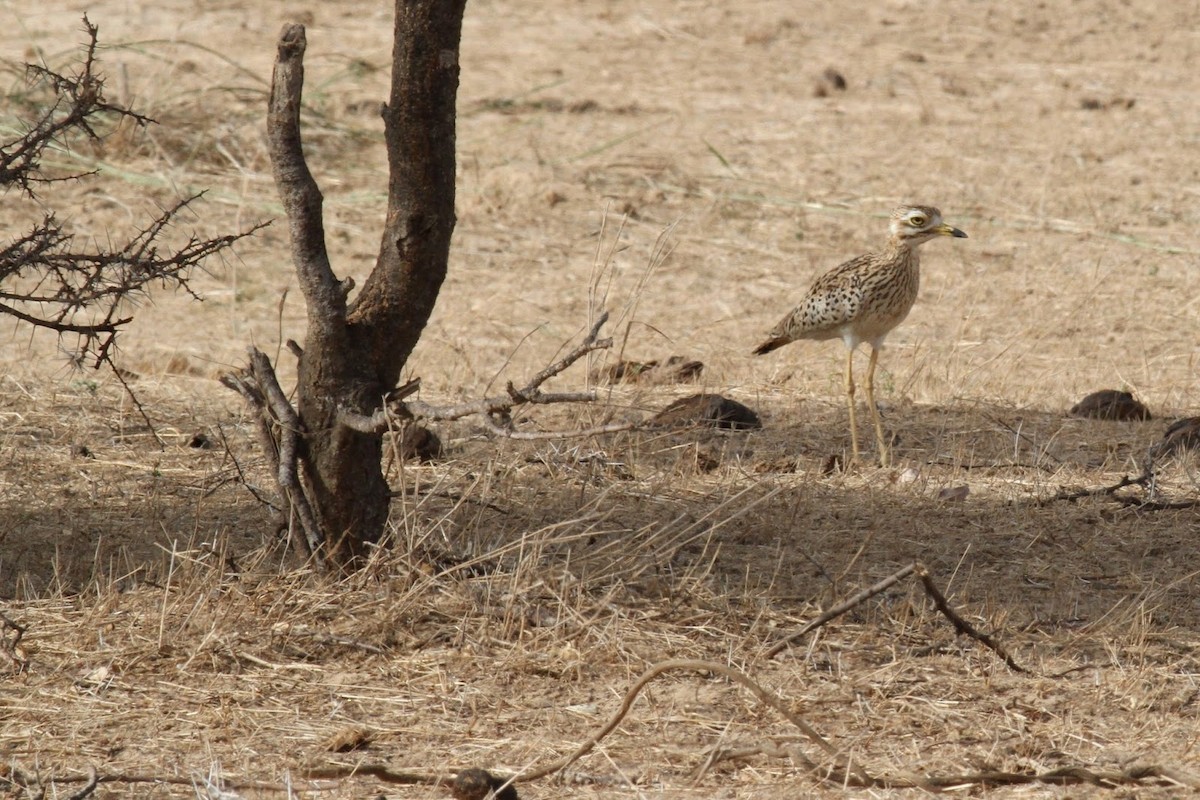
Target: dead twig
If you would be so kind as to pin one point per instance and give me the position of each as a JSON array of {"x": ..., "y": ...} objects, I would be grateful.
[
  {"x": 323, "y": 777},
  {"x": 530, "y": 393},
  {"x": 842, "y": 608},
  {"x": 279, "y": 433},
  {"x": 47, "y": 282},
  {"x": 381, "y": 421},
  {"x": 497, "y": 410},
  {"x": 1099, "y": 491},
  {"x": 845, "y": 772},
  {"x": 1156, "y": 505},
  {"x": 89, "y": 787},
  {"x": 177, "y": 780},
  {"x": 507, "y": 431},
  {"x": 1147, "y": 480},
  {"x": 1138, "y": 774},
  {"x": 960, "y": 624},
  {"x": 935, "y": 594}
]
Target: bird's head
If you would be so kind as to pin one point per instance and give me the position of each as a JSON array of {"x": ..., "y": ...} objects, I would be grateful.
[{"x": 912, "y": 225}]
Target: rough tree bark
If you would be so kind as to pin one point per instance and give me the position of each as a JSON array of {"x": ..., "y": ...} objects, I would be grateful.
[
  {"x": 354, "y": 352},
  {"x": 327, "y": 451}
]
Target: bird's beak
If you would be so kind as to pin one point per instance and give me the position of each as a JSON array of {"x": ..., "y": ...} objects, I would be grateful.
[{"x": 946, "y": 230}]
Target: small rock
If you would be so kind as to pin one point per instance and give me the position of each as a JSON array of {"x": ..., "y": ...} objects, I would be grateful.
[
  {"x": 1182, "y": 434},
  {"x": 830, "y": 81},
  {"x": 1110, "y": 404},
  {"x": 954, "y": 494},
  {"x": 835, "y": 79},
  {"x": 420, "y": 443},
  {"x": 706, "y": 410},
  {"x": 81, "y": 451},
  {"x": 478, "y": 784},
  {"x": 909, "y": 475}
]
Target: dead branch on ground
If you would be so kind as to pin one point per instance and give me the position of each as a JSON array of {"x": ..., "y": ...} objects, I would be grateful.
[
  {"x": 1148, "y": 480},
  {"x": 92, "y": 782},
  {"x": 844, "y": 772},
  {"x": 327, "y": 778},
  {"x": 841, "y": 608},
  {"x": 961, "y": 626},
  {"x": 1100, "y": 491}
]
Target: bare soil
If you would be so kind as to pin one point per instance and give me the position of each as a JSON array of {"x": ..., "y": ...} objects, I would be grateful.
[{"x": 691, "y": 167}]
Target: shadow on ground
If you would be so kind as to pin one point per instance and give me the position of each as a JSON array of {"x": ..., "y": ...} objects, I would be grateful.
[{"x": 756, "y": 512}]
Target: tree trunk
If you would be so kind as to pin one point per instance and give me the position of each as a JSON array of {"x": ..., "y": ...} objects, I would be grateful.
[{"x": 354, "y": 353}]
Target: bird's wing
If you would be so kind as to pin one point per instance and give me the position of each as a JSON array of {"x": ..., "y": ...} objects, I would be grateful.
[{"x": 833, "y": 300}]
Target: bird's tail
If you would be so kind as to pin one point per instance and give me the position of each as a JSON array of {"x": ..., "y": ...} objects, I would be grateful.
[{"x": 769, "y": 345}]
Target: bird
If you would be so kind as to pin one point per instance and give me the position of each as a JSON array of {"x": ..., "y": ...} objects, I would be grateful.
[{"x": 862, "y": 300}]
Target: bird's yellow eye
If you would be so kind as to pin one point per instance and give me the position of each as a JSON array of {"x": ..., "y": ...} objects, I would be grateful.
[{"x": 917, "y": 221}]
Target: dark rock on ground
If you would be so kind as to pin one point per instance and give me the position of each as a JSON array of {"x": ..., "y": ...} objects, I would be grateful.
[
  {"x": 1110, "y": 404},
  {"x": 707, "y": 410}
]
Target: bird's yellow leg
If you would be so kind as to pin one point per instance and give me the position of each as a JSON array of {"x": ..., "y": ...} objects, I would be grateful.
[
  {"x": 885, "y": 455},
  {"x": 850, "y": 403}
]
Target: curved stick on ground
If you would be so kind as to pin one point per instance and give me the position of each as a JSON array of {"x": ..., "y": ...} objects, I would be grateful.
[{"x": 846, "y": 772}]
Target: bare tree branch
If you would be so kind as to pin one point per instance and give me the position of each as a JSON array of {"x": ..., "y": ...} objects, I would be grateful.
[
  {"x": 44, "y": 280},
  {"x": 508, "y": 432},
  {"x": 497, "y": 406},
  {"x": 79, "y": 99},
  {"x": 324, "y": 295}
]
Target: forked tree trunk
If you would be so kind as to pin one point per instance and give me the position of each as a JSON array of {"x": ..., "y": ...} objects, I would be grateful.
[{"x": 354, "y": 351}]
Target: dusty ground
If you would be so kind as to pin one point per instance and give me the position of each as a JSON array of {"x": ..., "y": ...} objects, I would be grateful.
[{"x": 676, "y": 163}]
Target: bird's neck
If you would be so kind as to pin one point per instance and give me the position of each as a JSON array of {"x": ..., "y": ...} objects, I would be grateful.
[{"x": 900, "y": 248}]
